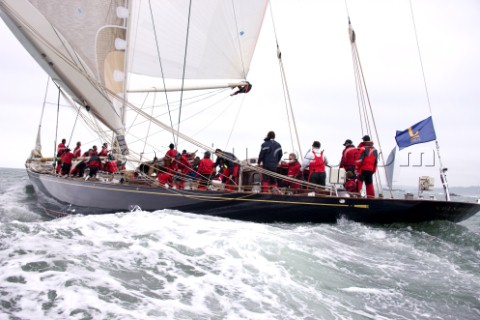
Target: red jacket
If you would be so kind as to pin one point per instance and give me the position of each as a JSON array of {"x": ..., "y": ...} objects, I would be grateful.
[
  {"x": 164, "y": 178},
  {"x": 184, "y": 164},
  {"x": 350, "y": 185},
  {"x": 67, "y": 157},
  {"x": 317, "y": 164},
  {"x": 206, "y": 166},
  {"x": 77, "y": 152},
  {"x": 111, "y": 166},
  {"x": 293, "y": 168},
  {"x": 349, "y": 156},
  {"x": 61, "y": 149},
  {"x": 103, "y": 152},
  {"x": 368, "y": 159},
  {"x": 170, "y": 157}
]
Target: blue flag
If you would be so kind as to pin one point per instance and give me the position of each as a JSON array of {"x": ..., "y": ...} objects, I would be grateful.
[{"x": 418, "y": 133}]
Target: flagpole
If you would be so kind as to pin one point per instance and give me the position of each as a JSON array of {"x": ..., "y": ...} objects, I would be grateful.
[{"x": 443, "y": 176}]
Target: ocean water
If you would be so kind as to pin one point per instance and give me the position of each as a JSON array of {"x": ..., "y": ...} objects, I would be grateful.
[{"x": 176, "y": 265}]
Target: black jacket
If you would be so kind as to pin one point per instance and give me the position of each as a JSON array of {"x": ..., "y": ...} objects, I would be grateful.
[{"x": 270, "y": 154}]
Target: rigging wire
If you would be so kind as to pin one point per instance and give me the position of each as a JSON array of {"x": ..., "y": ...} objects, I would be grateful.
[
  {"x": 443, "y": 176},
  {"x": 286, "y": 92},
  {"x": 148, "y": 129},
  {"x": 234, "y": 122},
  {"x": 160, "y": 62},
  {"x": 38, "y": 144},
  {"x": 56, "y": 126},
  {"x": 184, "y": 67},
  {"x": 364, "y": 102},
  {"x": 74, "y": 125}
]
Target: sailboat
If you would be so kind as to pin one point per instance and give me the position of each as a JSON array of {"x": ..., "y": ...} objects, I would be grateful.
[{"x": 102, "y": 54}]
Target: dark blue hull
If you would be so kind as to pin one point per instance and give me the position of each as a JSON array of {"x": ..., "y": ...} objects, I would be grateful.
[{"x": 62, "y": 196}]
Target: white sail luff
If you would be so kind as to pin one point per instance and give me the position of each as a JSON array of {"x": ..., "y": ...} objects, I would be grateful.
[{"x": 59, "y": 59}]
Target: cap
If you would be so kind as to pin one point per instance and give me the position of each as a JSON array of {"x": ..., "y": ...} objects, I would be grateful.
[
  {"x": 366, "y": 138},
  {"x": 347, "y": 142}
]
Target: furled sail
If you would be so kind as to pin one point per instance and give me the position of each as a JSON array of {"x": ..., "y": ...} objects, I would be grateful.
[{"x": 390, "y": 167}]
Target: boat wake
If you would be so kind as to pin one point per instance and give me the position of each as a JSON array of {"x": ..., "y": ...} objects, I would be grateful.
[{"x": 169, "y": 264}]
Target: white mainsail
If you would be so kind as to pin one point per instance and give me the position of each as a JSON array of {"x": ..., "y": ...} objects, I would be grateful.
[
  {"x": 90, "y": 48},
  {"x": 62, "y": 37},
  {"x": 221, "y": 38}
]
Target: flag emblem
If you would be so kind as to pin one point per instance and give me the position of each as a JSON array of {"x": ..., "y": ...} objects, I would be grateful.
[{"x": 418, "y": 133}]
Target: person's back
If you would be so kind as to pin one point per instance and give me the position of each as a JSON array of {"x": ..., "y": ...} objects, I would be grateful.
[
  {"x": 61, "y": 147},
  {"x": 316, "y": 163},
  {"x": 270, "y": 155},
  {"x": 94, "y": 163},
  {"x": 184, "y": 163},
  {"x": 367, "y": 166},
  {"x": 77, "y": 152},
  {"x": 206, "y": 166},
  {"x": 348, "y": 160},
  {"x": 67, "y": 158},
  {"x": 369, "y": 158},
  {"x": 205, "y": 170},
  {"x": 111, "y": 166},
  {"x": 104, "y": 151},
  {"x": 170, "y": 155},
  {"x": 271, "y": 152}
]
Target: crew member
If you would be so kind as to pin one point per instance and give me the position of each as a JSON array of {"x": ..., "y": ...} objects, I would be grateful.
[
  {"x": 350, "y": 184},
  {"x": 228, "y": 167},
  {"x": 170, "y": 155},
  {"x": 67, "y": 157},
  {"x": 293, "y": 167},
  {"x": 316, "y": 163},
  {"x": 111, "y": 164},
  {"x": 205, "y": 170},
  {"x": 60, "y": 150},
  {"x": 367, "y": 166},
  {"x": 348, "y": 156},
  {"x": 104, "y": 151},
  {"x": 94, "y": 163},
  {"x": 270, "y": 155},
  {"x": 77, "y": 152}
]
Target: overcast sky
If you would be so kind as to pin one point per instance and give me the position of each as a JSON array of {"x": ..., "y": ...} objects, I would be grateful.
[{"x": 317, "y": 59}]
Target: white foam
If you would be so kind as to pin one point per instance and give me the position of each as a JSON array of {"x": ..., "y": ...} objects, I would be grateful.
[{"x": 172, "y": 265}]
